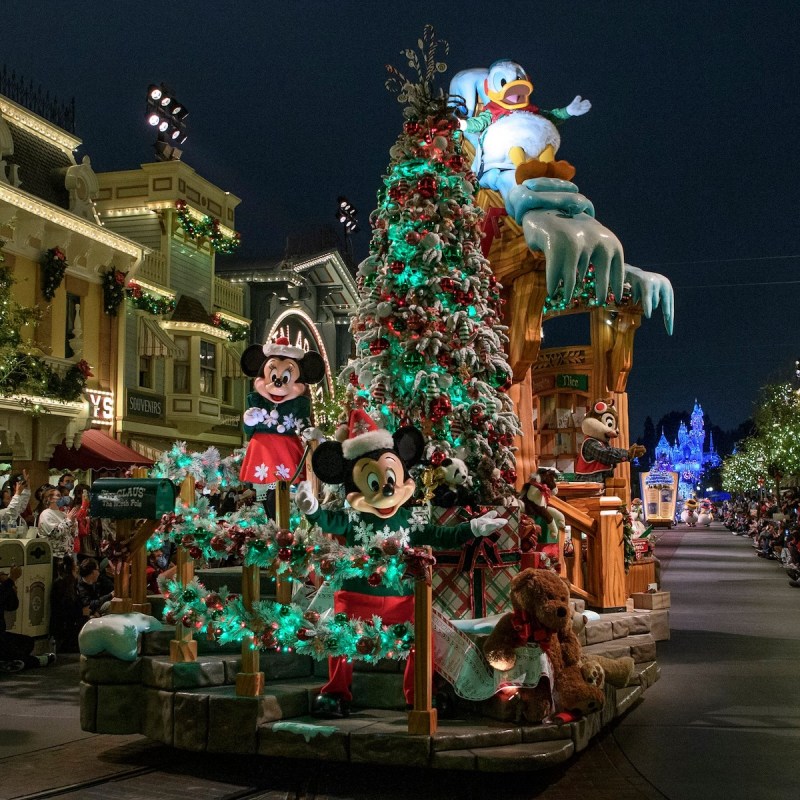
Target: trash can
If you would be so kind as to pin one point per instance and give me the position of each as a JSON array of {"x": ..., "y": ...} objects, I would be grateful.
[
  {"x": 37, "y": 580},
  {"x": 32, "y": 618},
  {"x": 12, "y": 553}
]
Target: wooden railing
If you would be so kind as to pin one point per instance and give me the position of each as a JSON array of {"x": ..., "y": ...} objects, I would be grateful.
[
  {"x": 153, "y": 269},
  {"x": 596, "y": 571},
  {"x": 228, "y": 296}
]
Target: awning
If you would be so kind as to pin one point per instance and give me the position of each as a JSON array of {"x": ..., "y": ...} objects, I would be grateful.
[
  {"x": 97, "y": 451},
  {"x": 153, "y": 341},
  {"x": 231, "y": 363}
]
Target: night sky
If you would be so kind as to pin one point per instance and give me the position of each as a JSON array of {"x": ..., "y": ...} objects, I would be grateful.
[{"x": 689, "y": 152}]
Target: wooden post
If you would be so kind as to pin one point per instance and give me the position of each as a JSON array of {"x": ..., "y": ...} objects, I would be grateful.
[
  {"x": 423, "y": 719},
  {"x": 607, "y": 561},
  {"x": 250, "y": 679},
  {"x": 139, "y": 563},
  {"x": 122, "y": 603},
  {"x": 183, "y": 647},
  {"x": 283, "y": 587}
]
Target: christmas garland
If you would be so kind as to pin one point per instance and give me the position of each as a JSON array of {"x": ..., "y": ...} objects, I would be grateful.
[
  {"x": 236, "y": 333},
  {"x": 289, "y": 555},
  {"x": 113, "y": 290},
  {"x": 286, "y": 628},
  {"x": 54, "y": 265},
  {"x": 145, "y": 301},
  {"x": 206, "y": 228}
]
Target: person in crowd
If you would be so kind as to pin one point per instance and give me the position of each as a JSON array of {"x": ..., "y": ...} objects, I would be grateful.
[
  {"x": 66, "y": 483},
  {"x": 228, "y": 503},
  {"x": 93, "y": 603},
  {"x": 27, "y": 512},
  {"x": 39, "y": 502},
  {"x": 66, "y": 609},
  {"x": 157, "y": 564},
  {"x": 105, "y": 583},
  {"x": 80, "y": 500},
  {"x": 58, "y": 527},
  {"x": 5, "y": 496},
  {"x": 19, "y": 500},
  {"x": 16, "y": 649}
]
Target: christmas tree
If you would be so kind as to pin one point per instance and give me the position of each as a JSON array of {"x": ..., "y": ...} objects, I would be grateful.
[{"x": 428, "y": 332}]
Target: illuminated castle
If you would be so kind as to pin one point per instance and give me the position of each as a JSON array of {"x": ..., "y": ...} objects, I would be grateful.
[{"x": 686, "y": 456}]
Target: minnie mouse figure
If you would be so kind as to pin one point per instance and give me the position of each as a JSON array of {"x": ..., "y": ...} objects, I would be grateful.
[
  {"x": 278, "y": 409},
  {"x": 373, "y": 465}
]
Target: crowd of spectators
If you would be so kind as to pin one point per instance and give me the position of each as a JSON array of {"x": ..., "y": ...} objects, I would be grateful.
[
  {"x": 772, "y": 525},
  {"x": 83, "y": 580}
]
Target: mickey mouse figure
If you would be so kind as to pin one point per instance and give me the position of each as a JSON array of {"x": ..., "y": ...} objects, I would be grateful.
[
  {"x": 373, "y": 465},
  {"x": 278, "y": 409}
]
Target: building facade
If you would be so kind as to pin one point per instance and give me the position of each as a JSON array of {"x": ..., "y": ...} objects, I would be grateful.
[
  {"x": 182, "y": 326},
  {"x": 57, "y": 253},
  {"x": 309, "y": 299}
]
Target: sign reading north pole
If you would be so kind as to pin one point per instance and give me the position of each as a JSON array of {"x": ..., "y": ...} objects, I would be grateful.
[{"x": 132, "y": 498}]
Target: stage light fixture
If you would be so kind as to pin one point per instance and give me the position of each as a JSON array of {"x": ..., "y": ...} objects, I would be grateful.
[{"x": 165, "y": 113}]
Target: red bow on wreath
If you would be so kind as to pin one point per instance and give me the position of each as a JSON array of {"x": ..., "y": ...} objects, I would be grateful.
[{"x": 418, "y": 563}]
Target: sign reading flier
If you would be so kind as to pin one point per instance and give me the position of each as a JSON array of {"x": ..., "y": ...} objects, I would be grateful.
[{"x": 132, "y": 498}]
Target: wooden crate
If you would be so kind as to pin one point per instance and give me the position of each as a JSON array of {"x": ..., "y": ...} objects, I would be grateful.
[{"x": 652, "y": 601}]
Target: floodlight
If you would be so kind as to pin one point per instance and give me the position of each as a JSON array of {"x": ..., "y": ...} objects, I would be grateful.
[{"x": 153, "y": 119}]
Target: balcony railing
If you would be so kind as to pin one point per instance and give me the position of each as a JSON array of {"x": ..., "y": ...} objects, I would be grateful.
[
  {"x": 228, "y": 297},
  {"x": 153, "y": 269}
]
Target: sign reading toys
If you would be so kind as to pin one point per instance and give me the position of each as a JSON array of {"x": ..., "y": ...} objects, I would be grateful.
[{"x": 101, "y": 406}]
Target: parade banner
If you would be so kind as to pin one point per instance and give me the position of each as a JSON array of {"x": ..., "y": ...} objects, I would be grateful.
[{"x": 457, "y": 658}]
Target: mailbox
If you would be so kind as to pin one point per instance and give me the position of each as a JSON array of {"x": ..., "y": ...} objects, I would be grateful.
[{"x": 132, "y": 498}]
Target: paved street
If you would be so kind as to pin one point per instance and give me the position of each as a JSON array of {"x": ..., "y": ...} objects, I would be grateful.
[{"x": 723, "y": 721}]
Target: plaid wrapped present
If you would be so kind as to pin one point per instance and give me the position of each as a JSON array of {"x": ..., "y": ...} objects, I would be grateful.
[
  {"x": 475, "y": 581},
  {"x": 507, "y": 537}
]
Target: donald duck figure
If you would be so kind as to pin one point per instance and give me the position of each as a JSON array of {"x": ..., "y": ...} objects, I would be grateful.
[{"x": 514, "y": 140}]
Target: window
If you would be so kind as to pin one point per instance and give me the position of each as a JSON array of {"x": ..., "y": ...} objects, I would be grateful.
[
  {"x": 208, "y": 368},
  {"x": 146, "y": 372},
  {"x": 227, "y": 391},
  {"x": 73, "y": 338},
  {"x": 180, "y": 367}
]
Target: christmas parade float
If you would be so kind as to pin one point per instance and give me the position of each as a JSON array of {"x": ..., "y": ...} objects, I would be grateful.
[{"x": 420, "y": 546}]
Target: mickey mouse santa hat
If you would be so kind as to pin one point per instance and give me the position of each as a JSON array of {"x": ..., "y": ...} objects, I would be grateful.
[
  {"x": 362, "y": 435},
  {"x": 281, "y": 348}
]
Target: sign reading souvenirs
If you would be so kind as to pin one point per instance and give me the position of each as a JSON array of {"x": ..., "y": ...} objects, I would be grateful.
[
  {"x": 132, "y": 498},
  {"x": 145, "y": 405}
]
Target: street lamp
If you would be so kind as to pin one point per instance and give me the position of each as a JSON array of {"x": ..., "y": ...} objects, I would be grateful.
[
  {"x": 346, "y": 213},
  {"x": 167, "y": 115}
]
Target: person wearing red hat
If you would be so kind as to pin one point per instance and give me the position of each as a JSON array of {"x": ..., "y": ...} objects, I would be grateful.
[
  {"x": 278, "y": 409},
  {"x": 373, "y": 465}
]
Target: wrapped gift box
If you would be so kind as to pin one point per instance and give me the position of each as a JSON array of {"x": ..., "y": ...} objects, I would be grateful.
[{"x": 475, "y": 581}]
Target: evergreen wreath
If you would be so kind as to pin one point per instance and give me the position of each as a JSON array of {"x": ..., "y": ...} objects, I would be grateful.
[
  {"x": 206, "y": 228},
  {"x": 54, "y": 265},
  {"x": 113, "y": 290}
]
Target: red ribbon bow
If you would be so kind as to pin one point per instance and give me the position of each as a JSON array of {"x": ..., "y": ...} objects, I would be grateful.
[{"x": 527, "y": 629}]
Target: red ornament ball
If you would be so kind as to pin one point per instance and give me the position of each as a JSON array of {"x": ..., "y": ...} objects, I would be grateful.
[
  {"x": 391, "y": 546},
  {"x": 440, "y": 407},
  {"x": 267, "y": 639},
  {"x": 353, "y": 379},
  {"x": 284, "y": 554},
  {"x": 377, "y": 346},
  {"x": 413, "y": 237},
  {"x": 427, "y": 186},
  {"x": 305, "y": 635},
  {"x": 312, "y": 617},
  {"x": 284, "y": 538},
  {"x": 396, "y": 267},
  {"x": 437, "y": 457},
  {"x": 375, "y": 579},
  {"x": 218, "y": 543},
  {"x": 365, "y": 645},
  {"x": 509, "y": 476},
  {"x": 195, "y": 552},
  {"x": 413, "y": 128}
]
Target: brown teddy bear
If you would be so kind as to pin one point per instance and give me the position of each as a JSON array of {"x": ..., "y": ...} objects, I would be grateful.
[
  {"x": 599, "y": 670},
  {"x": 542, "y": 615}
]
